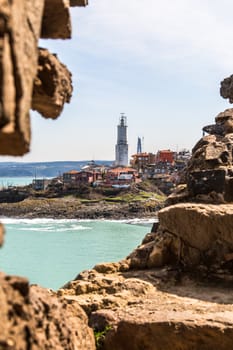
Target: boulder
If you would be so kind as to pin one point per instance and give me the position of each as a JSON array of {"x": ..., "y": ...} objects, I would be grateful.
[
  {"x": 78, "y": 2},
  {"x": 56, "y": 22},
  {"x": 209, "y": 172},
  {"x": 34, "y": 318},
  {"x": 206, "y": 181},
  {"x": 153, "y": 309},
  {"x": 200, "y": 227},
  {"x": 20, "y": 30},
  {"x": 226, "y": 89},
  {"x": 52, "y": 86},
  {"x": 22, "y": 23},
  {"x": 170, "y": 331}
]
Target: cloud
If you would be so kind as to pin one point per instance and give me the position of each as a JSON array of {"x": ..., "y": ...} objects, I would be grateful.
[{"x": 150, "y": 31}]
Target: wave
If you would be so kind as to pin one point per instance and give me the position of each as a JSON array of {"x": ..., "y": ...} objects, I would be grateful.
[
  {"x": 142, "y": 222},
  {"x": 55, "y": 229},
  {"x": 5, "y": 220},
  {"x": 47, "y": 221}
]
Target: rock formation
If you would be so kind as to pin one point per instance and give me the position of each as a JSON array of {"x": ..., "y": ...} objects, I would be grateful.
[
  {"x": 52, "y": 85},
  {"x": 195, "y": 228},
  {"x": 172, "y": 291},
  {"x": 32, "y": 317},
  {"x": 24, "y": 82},
  {"x": 226, "y": 89},
  {"x": 153, "y": 308}
]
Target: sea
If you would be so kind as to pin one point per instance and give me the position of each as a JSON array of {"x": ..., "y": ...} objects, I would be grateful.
[
  {"x": 15, "y": 181},
  {"x": 51, "y": 252}
]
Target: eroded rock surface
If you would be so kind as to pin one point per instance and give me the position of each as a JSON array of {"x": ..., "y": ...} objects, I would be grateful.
[
  {"x": 22, "y": 23},
  {"x": 209, "y": 173},
  {"x": 20, "y": 26},
  {"x": 52, "y": 86},
  {"x": 153, "y": 309},
  {"x": 56, "y": 23},
  {"x": 33, "y": 318},
  {"x": 226, "y": 89},
  {"x": 78, "y": 2},
  {"x": 172, "y": 291}
]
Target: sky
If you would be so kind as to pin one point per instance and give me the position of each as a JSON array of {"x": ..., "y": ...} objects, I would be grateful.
[{"x": 159, "y": 62}]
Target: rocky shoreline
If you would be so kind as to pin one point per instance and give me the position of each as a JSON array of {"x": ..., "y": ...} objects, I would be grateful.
[
  {"x": 62, "y": 208},
  {"x": 174, "y": 291}
]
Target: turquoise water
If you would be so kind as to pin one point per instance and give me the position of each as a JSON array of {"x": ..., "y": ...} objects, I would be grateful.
[
  {"x": 15, "y": 181},
  {"x": 52, "y": 252}
]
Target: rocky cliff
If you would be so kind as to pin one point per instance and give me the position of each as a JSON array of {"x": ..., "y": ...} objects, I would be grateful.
[
  {"x": 32, "y": 317},
  {"x": 171, "y": 292},
  {"x": 31, "y": 77},
  {"x": 174, "y": 290}
]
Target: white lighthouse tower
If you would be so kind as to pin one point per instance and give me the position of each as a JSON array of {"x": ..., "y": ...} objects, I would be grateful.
[{"x": 122, "y": 145}]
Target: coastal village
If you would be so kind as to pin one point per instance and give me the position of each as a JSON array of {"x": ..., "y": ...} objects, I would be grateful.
[
  {"x": 174, "y": 290},
  {"x": 164, "y": 168}
]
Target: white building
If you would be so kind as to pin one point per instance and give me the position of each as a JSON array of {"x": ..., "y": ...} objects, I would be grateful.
[{"x": 122, "y": 145}]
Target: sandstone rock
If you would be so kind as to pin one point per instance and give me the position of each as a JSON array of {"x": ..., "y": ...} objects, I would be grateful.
[
  {"x": 211, "y": 152},
  {"x": 209, "y": 173},
  {"x": 156, "y": 257},
  {"x": 200, "y": 227},
  {"x": 154, "y": 228},
  {"x": 149, "y": 309},
  {"x": 157, "y": 249},
  {"x": 78, "y": 2},
  {"x": 139, "y": 257},
  {"x": 180, "y": 194},
  {"x": 33, "y": 318},
  {"x": 52, "y": 86},
  {"x": 59, "y": 324},
  {"x": 101, "y": 319},
  {"x": 21, "y": 24},
  {"x": 107, "y": 267},
  {"x": 214, "y": 129},
  {"x": 206, "y": 181},
  {"x": 150, "y": 237},
  {"x": 56, "y": 22},
  {"x": 20, "y": 29},
  {"x": 226, "y": 89},
  {"x": 170, "y": 332},
  {"x": 222, "y": 117}
]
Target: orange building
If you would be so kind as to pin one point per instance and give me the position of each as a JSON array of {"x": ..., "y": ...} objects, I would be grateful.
[
  {"x": 121, "y": 174},
  {"x": 165, "y": 156}
]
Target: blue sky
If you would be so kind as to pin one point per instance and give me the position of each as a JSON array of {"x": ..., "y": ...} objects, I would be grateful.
[{"x": 159, "y": 62}]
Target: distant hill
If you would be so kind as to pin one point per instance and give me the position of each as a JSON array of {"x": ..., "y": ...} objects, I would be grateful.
[{"x": 42, "y": 169}]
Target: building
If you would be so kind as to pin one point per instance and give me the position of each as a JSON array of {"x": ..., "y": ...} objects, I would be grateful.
[
  {"x": 139, "y": 145},
  {"x": 77, "y": 178},
  {"x": 165, "y": 156},
  {"x": 121, "y": 148},
  {"x": 121, "y": 176},
  {"x": 70, "y": 176},
  {"x": 141, "y": 160},
  {"x": 40, "y": 184}
]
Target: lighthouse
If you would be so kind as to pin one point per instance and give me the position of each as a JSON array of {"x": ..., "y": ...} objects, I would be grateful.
[{"x": 122, "y": 145}]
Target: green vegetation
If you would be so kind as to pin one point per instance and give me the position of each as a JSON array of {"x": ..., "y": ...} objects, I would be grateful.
[
  {"x": 136, "y": 197},
  {"x": 86, "y": 201},
  {"x": 100, "y": 336}
]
